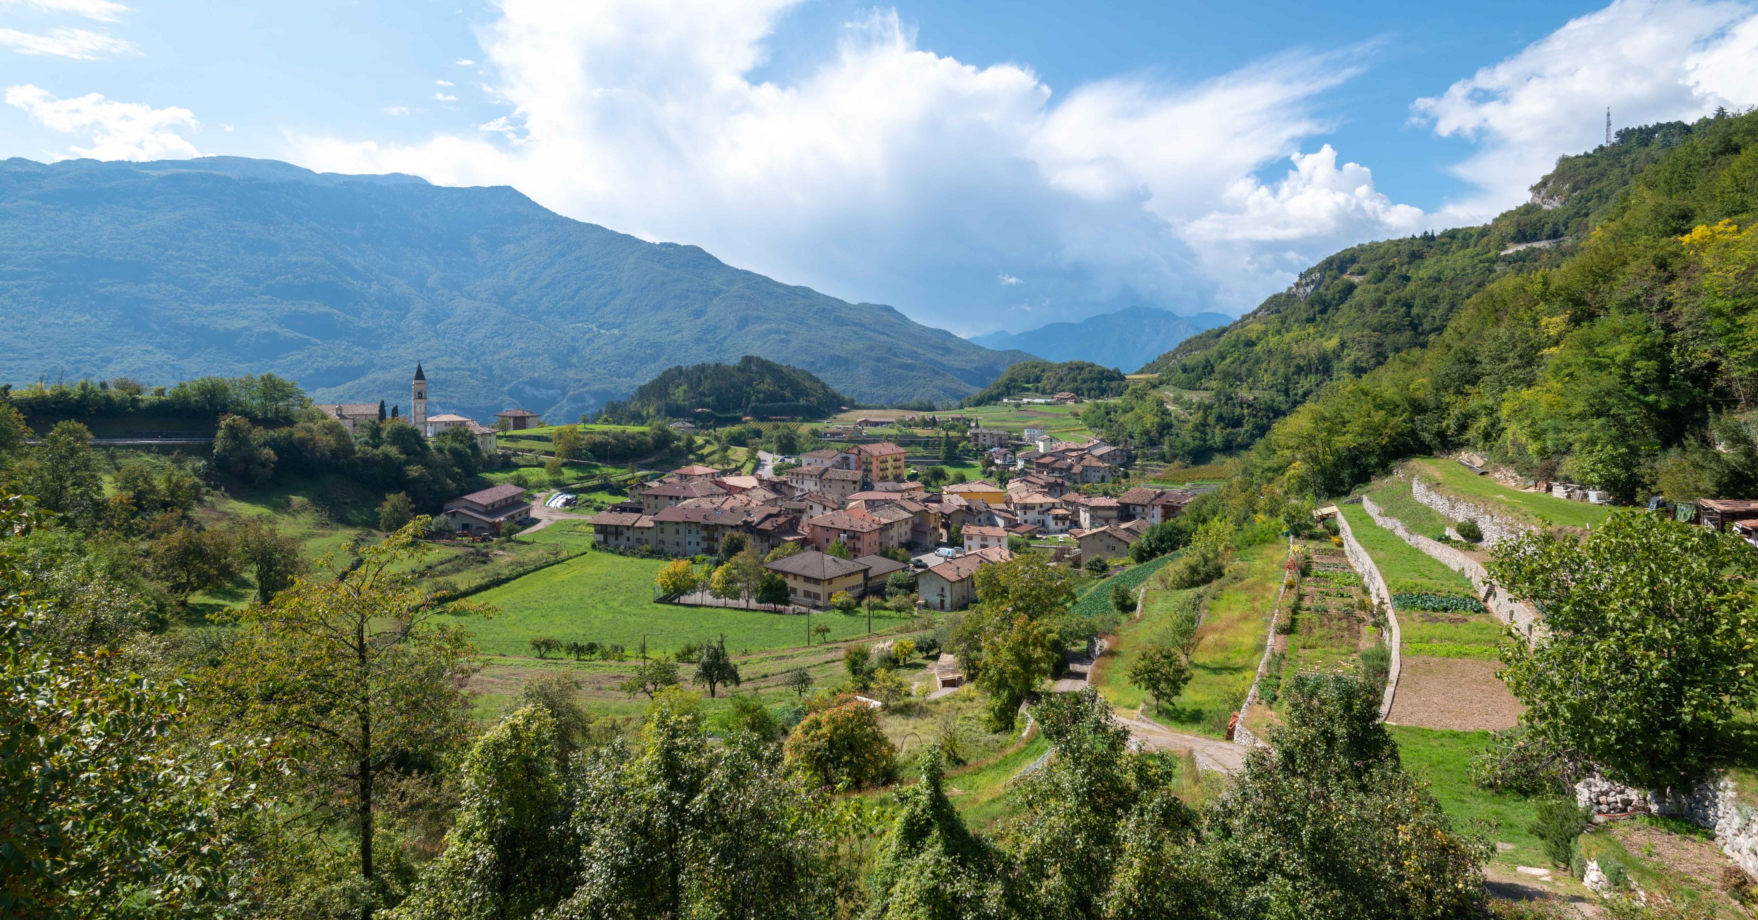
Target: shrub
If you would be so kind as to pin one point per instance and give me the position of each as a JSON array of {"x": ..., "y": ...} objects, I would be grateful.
[
  {"x": 1376, "y": 667},
  {"x": 1469, "y": 531},
  {"x": 1559, "y": 822},
  {"x": 842, "y": 747},
  {"x": 1194, "y": 570},
  {"x": 1097, "y": 565},
  {"x": 1524, "y": 763},
  {"x": 1439, "y": 603},
  {"x": 843, "y": 601},
  {"x": 1122, "y": 600}
]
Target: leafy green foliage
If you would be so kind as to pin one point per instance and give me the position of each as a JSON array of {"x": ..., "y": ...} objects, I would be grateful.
[
  {"x": 1646, "y": 659},
  {"x": 1162, "y": 670},
  {"x": 841, "y": 746},
  {"x": 715, "y": 667},
  {"x": 1042, "y": 378},
  {"x": 752, "y": 387},
  {"x": 1440, "y": 603},
  {"x": 1559, "y": 822},
  {"x": 930, "y": 866}
]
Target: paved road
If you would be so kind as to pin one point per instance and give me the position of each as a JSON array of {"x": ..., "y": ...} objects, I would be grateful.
[
  {"x": 546, "y": 515},
  {"x": 766, "y": 463}
]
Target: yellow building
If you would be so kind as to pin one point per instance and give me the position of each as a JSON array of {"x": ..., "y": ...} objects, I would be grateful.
[{"x": 981, "y": 490}]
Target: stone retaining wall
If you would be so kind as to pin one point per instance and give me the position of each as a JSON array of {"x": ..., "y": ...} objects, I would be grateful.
[
  {"x": 1376, "y": 589},
  {"x": 1515, "y": 613},
  {"x": 1713, "y": 804},
  {"x": 1495, "y": 527},
  {"x": 1242, "y": 735}
]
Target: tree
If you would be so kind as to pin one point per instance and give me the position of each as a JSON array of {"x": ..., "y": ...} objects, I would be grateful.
[
  {"x": 355, "y": 675},
  {"x": 901, "y": 583},
  {"x": 715, "y": 667},
  {"x": 1015, "y": 660},
  {"x": 1646, "y": 659},
  {"x": 838, "y": 549},
  {"x": 565, "y": 443},
  {"x": 545, "y": 646},
  {"x": 13, "y": 431},
  {"x": 1122, "y": 600},
  {"x": 395, "y": 512},
  {"x": 511, "y": 851},
  {"x": 558, "y": 694},
  {"x": 675, "y": 827},
  {"x": 842, "y": 747},
  {"x": 1325, "y": 822},
  {"x": 106, "y": 810},
  {"x": 272, "y": 558},
  {"x": 820, "y": 631},
  {"x": 62, "y": 474},
  {"x": 858, "y": 661},
  {"x": 240, "y": 453},
  {"x": 1161, "y": 670},
  {"x": 650, "y": 678},
  {"x": 1097, "y": 565},
  {"x": 732, "y": 544},
  {"x": 930, "y": 866},
  {"x": 799, "y": 680},
  {"x": 678, "y": 577},
  {"x": 381, "y": 410},
  {"x": 903, "y": 651},
  {"x": 784, "y": 550},
  {"x": 188, "y": 560},
  {"x": 787, "y": 440},
  {"x": 772, "y": 589}
]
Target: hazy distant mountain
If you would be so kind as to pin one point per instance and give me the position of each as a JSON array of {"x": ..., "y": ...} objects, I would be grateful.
[
  {"x": 164, "y": 271},
  {"x": 1125, "y": 339}
]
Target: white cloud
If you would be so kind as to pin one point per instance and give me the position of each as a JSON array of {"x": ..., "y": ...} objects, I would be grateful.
[
  {"x": 1648, "y": 60},
  {"x": 1008, "y": 280},
  {"x": 99, "y": 10},
  {"x": 442, "y": 83},
  {"x": 79, "y": 44},
  {"x": 464, "y": 62},
  {"x": 396, "y": 110},
  {"x": 118, "y": 130},
  {"x": 890, "y": 173},
  {"x": 445, "y": 97}
]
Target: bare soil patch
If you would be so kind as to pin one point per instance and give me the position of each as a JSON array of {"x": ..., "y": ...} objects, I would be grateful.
[{"x": 1461, "y": 694}]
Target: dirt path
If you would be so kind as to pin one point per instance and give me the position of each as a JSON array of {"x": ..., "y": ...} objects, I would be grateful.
[{"x": 1211, "y": 754}]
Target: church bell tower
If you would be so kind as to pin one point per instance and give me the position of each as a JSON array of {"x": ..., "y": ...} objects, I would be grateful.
[{"x": 418, "y": 411}]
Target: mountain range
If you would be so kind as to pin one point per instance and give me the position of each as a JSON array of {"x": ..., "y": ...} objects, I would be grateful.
[
  {"x": 164, "y": 271},
  {"x": 1125, "y": 339}
]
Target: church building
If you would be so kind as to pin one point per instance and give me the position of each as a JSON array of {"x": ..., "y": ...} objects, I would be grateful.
[{"x": 353, "y": 415}]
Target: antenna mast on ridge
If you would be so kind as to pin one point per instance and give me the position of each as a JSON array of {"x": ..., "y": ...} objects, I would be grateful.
[{"x": 1608, "y": 126}]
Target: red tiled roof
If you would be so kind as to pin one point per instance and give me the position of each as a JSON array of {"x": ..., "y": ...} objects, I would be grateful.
[
  {"x": 850, "y": 521},
  {"x": 494, "y": 494},
  {"x": 815, "y": 565}
]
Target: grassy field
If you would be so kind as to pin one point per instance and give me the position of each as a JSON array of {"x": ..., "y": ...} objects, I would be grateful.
[
  {"x": 1443, "y": 759},
  {"x": 1407, "y": 570},
  {"x": 1095, "y": 600},
  {"x": 606, "y": 598},
  {"x": 1531, "y": 507},
  {"x": 1229, "y": 643},
  {"x": 1394, "y": 498},
  {"x": 1112, "y": 676}
]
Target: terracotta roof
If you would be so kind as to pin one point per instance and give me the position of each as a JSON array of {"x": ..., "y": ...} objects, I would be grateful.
[
  {"x": 494, "y": 494},
  {"x": 880, "y": 449},
  {"x": 348, "y": 410},
  {"x": 615, "y": 519},
  {"x": 846, "y": 475},
  {"x": 962, "y": 567},
  {"x": 879, "y": 565},
  {"x": 695, "y": 471},
  {"x": 686, "y": 488},
  {"x": 1140, "y": 495},
  {"x": 826, "y": 453},
  {"x": 815, "y": 565},
  {"x": 515, "y": 413},
  {"x": 845, "y": 520},
  {"x": 978, "y": 530},
  {"x": 981, "y": 485}
]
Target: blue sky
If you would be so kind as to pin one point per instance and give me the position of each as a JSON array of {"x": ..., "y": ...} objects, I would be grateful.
[{"x": 977, "y": 164}]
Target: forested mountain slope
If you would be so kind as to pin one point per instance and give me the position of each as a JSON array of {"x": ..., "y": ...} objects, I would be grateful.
[
  {"x": 1356, "y": 309},
  {"x": 1628, "y": 361},
  {"x": 174, "y": 270}
]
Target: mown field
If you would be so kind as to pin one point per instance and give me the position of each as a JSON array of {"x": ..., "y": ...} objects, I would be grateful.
[
  {"x": 1531, "y": 507},
  {"x": 608, "y": 599}
]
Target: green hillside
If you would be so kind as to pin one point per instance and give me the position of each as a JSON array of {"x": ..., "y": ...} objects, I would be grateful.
[
  {"x": 753, "y": 386},
  {"x": 1043, "y": 378},
  {"x": 224, "y": 266},
  {"x": 1355, "y": 310},
  {"x": 1627, "y": 360}
]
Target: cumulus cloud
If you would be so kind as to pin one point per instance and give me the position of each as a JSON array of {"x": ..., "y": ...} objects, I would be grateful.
[
  {"x": 1648, "y": 60},
  {"x": 117, "y": 130},
  {"x": 891, "y": 173},
  {"x": 445, "y": 97},
  {"x": 1007, "y": 280},
  {"x": 99, "y": 10},
  {"x": 79, "y": 44}
]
